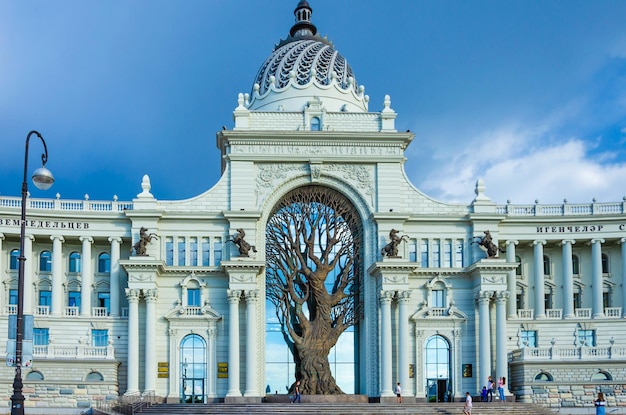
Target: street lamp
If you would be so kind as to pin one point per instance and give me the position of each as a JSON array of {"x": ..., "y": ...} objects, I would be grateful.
[{"x": 43, "y": 179}]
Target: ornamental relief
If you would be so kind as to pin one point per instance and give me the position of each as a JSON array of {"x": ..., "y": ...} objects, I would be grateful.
[{"x": 358, "y": 176}]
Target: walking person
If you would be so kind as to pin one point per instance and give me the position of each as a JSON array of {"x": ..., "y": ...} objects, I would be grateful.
[
  {"x": 296, "y": 393},
  {"x": 467, "y": 409},
  {"x": 398, "y": 393},
  {"x": 483, "y": 394},
  {"x": 490, "y": 387},
  {"x": 501, "y": 383},
  {"x": 600, "y": 404}
]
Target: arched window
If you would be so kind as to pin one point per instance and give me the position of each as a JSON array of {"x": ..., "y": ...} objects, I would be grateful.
[
  {"x": 74, "y": 262},
  {"x": 104, "y": 263},
  {"x": 605, "y": 264},
  {"x": 316, "y": 124},
  {"x": 543, "y": 377},
  {"x": 518, "y": 270},
  {"x": 546, "y": 265},
  {"x": 193, "y": 369},
  {"x": 437, "y": 359},
  {"x": 575, "y": 265},
  {"x": 45, "y": 261},
  {"x": 34, "y": 376},
  {"x": 94, "y": 377},
  {"x": 601, "y": 376},
  {"x": 13, "y": 260}
]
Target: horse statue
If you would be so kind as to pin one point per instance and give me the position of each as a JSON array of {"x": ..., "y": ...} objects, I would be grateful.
[
  {"x": 144, "y": 239},
  {"x": 391, "y": 249},
  {"x": 244, "y": 247},
  {"x": 487, "y": 243}
]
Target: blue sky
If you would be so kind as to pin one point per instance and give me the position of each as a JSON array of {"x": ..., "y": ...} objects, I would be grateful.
[{"x": 528, "y": 95}]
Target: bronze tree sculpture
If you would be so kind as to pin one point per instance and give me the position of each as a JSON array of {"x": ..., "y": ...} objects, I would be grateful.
[{"x": 312, "y": 278}]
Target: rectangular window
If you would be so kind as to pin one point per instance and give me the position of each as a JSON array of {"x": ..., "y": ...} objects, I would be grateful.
[
  {"x": 413, "y": 250},
  {"x": 458, "y": 251},
  {"x": 12, "y": 297},
  {"x": 206, "y": 252},
  {"x": 606, "y": 299},
  {"x": 586, "y": 338},
  {"x": 193, "y": 251},
  {"x": 436, "y": 254},
  {"x": 45, "y": 298},
  {"x": 169, "y": 251},
  {"x": 424, "y": 253},
  {"x": 104, "y": 300},
  {"x": 528, "y": 338},
  {"x": 99, "y": 338},
  {"x": 193, "y": 297},
  {"x": 438, "y": 299},
  {"x": 180, "y": 245},
  {"x": 73, "y": 299},
  {"x": 41, "y": 337},
  {"x": 217, "y": 251},
  {"x": 577, "y": 303},
  {"x": 548, "y": 300},
  {"x": 447, "y": 253},
  {"x": 519, "y": 300}
]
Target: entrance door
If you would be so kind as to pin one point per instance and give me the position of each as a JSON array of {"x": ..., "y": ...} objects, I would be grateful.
[
  {"x": 438, "y": 390},
  {"x": 193, "y": 390}
]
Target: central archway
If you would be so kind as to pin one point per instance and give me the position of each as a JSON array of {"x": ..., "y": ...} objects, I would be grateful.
[{"x": 313, "y": 275}]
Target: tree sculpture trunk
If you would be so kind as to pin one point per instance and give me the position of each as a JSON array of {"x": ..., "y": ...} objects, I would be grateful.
[{"x": 313, "y": 240}]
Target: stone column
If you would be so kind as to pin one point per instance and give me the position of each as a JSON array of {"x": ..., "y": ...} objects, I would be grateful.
[
  {"x": 596, "y": 277},
  {"x": 540, "y": 297},
  {"x": 484, "y": 335},
  {"x": 29, "y": 292},
  {"x": 132, "y": 295},
  {"x": 57, "y": 275},
  {"x": 86, "y": 277},
  {"x": 150, "y": 364},
  {"x": 252, "y": 386},
  {"x": 385, "y": 344},
  {"x": 403, "y": 338},
  {"x": 233, "y": 343},
  {"x": 568, "y": 279},
  {"x": 501, "y": 355},
  {"x": 115, "y": 276},
  {"x": 511, "y": 281},
  {"x": 623, "y": 280}
]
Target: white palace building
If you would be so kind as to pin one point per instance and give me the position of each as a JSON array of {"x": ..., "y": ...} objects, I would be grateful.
[{"x": 189, "y": 320}]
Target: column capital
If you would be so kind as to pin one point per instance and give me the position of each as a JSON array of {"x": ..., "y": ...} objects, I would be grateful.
[
  {"x": 404, "y": 297},
  {"x": 233, "y": 296},
  {"x": 1, "y": 236},
  {"x": 385, "y": 297},
  {"x": 57, "y": 237},
  {"x": 621, "y": 241},
  {"x": 501, "y": 296},
  {"x": 539, "y": 242},
  {"x": 511, "y": 242},
  {"x": 252, "y": 296},
  {"x": 596, "y": 240},
  {"x": 115, "y": 239},
  {"x": 151, "y": 295},
  {"x": 85, "y": 239},
  {"x": 568, "y": 241},
  {"x": 484, "y": 296},
  {"x": 132, "y": 295}
]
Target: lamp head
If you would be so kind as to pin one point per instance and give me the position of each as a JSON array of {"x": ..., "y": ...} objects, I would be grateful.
[{"x": 43, "y": 178}]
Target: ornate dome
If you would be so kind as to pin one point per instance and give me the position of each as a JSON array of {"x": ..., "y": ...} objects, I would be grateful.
[{"x": 305, "y": 66}]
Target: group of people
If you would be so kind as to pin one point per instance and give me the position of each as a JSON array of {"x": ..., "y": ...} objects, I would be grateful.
[{"x": 487, "y": 393}]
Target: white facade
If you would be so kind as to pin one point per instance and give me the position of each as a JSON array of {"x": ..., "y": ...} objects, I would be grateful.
[{"x": 548, "y": 314}]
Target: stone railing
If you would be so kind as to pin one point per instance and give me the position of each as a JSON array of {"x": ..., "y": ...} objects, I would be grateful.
[
  {"x": 66, "y": 205},
  {"x": 564, "y": 209},
  {"x": 51, "y": 351},
  {"x": 567, "y": 353},
  {"x": 557, "y": 313}
]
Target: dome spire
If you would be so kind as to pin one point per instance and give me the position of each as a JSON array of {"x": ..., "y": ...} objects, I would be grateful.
[{"x": 303, "y": 25}]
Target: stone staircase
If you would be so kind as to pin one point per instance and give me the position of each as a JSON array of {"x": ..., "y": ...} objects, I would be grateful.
[{"x": 456, "y": 408}]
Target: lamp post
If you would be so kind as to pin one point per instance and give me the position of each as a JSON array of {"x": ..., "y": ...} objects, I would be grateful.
[{"x": 43, "y": 179}]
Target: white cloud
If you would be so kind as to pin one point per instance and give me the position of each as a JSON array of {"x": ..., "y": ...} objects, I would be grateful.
[{"x": 520, "y": 166}]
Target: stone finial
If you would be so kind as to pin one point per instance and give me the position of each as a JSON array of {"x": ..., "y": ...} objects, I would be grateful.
[
  {"x": 145, "y": 186},
  {"x": 480, "y": 191}
]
